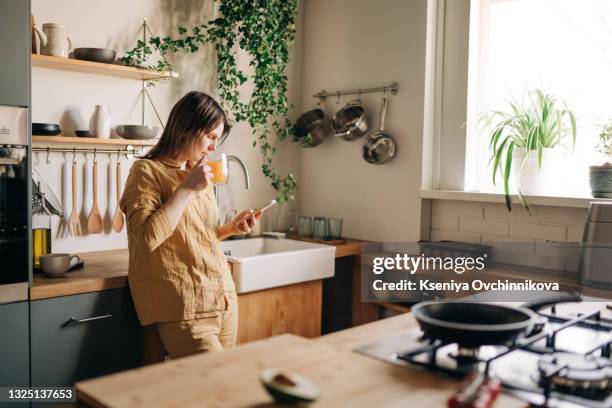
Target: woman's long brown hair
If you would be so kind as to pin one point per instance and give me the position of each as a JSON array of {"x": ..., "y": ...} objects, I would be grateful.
[{"x": 194, "y": 113}]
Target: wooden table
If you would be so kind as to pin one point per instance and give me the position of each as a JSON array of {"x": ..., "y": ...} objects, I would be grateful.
[{"x": 230, "y": 379}]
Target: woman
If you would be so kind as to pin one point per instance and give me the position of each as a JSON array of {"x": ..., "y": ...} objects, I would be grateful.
[{"x": 178, "y": 275}]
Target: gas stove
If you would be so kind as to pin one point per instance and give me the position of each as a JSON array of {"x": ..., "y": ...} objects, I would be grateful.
[{"x": 565, "y": 364}]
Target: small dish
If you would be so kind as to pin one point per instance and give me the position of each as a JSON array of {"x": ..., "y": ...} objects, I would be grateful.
[{"x": 84, "y": 133}]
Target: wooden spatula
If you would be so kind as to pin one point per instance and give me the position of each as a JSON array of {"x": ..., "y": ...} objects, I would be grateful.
[
  {"x": 94, "y": 221},
  {"x": 118, "y": 217},
  {"x": 74, "y": 224}
]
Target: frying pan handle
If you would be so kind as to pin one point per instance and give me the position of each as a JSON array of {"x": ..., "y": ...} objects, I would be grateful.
[
  {"x": 383, "y": 114},
  {"x": 562, "y": 297}
]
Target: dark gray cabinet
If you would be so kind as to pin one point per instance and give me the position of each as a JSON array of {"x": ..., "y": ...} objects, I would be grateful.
[
  {"x": 83, "y": 336},
  {"x": 14, "y": 345},
  {"x": 15, "y": 52}
]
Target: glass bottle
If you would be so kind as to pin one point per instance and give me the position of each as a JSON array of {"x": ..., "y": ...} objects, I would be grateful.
[{"x": 41, "y": 230}]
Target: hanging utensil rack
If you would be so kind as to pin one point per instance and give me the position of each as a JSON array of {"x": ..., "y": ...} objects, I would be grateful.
[
  {"x": 392, "y": 88},
  {"x": 129, "y": 151}
]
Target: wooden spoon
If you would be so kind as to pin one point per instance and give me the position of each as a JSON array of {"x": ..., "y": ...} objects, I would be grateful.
[
  {"x": 94, "y": 221},
  {"x": 118, "y": 220}
]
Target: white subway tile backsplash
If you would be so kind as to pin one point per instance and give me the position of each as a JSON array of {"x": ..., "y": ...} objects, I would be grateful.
[
  {"x": 493, "y": 211},
  {"x": 512, "y": 245},
  {"x": 538, "y": 231},
  {"x": 483, "y": 226},
  {"x": 469, "y": 208},
  {"x": 543, "y": 214},
  {"x": 445, "y": 222},
  {"x": 574, "y": 233},
  {"x": 464, "y": 236},
  {"x": 540, "y": 239}
]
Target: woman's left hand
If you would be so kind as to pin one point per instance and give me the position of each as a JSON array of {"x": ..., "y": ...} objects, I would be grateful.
[{"x": 245, "y": 221}]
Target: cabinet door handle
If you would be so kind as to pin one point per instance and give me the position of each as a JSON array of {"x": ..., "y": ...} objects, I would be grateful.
[{"x": 74, "y": 320}]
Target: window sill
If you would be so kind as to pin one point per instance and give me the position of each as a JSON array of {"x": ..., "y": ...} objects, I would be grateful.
[{"x": 574, "y": 202}]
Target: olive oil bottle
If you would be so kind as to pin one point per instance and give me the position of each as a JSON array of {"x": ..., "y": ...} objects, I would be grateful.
[{"x": 41, "y": 230}]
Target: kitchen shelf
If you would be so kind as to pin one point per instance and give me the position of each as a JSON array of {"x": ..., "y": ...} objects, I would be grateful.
[
  {"x": 67, "y": 64},
  {"x": 72, "y": 140}
]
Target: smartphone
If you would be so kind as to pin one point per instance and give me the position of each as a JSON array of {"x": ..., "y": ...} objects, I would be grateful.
[{"x": 262, "y": 209}]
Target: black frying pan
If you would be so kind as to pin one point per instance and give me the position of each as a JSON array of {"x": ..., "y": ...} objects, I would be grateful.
[{"x": 474, "y": 324}]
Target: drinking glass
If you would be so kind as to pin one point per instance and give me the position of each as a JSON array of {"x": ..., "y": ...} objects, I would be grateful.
[
  {"x": 305, "y": 227},
  {"x": 335, "y": 228},
  {"x": 320, "y": 228},
  {"x": 219, "y": 168}
]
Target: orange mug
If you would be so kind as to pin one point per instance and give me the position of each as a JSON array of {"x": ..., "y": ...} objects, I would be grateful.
[{"x": 219, "y": 168}]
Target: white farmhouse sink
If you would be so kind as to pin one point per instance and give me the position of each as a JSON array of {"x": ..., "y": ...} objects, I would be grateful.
[{"x": 262, "y": 263}]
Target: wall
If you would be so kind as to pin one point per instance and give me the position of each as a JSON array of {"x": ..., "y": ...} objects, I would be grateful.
[
  {"x": 69, "y": 99},
  {"x": 541, "y": 240},
  {"x": 362, "y": 43}
]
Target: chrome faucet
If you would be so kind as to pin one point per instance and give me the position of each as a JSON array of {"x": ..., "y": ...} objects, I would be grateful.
[{"x": 247, "y": 179}]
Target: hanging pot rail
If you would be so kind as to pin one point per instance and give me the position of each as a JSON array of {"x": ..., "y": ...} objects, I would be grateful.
[{"x": 393, "y": 88}]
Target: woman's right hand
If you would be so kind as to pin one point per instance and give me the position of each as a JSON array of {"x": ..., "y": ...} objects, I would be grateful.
[{"x": 199, "y": 176}]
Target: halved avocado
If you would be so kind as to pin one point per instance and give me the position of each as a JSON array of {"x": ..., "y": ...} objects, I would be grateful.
[{"x": 288, "y": 388}]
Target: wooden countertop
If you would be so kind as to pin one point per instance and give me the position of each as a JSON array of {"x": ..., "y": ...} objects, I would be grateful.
[
  {"x": 108, "y": 270},
  {"x": 103, "y": 270},
  {"x": 230, "y": 379}
]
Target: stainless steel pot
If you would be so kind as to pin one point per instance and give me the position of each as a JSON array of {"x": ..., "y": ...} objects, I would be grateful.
[
  {"x": 350, "y": 122},
  {"x": 311, "y": 129}
]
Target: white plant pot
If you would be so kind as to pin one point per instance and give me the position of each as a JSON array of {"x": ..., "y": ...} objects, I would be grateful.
[{"x": 535, "y": 180}]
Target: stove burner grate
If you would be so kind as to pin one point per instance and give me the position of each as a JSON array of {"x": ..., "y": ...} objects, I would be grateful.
[{"x": 576, "y": 373}]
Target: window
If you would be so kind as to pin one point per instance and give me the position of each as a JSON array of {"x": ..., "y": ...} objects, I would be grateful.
[{"x": 561, "y": 46}]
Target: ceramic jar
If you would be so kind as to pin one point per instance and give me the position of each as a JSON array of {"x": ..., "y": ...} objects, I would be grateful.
[{"x": 54, "y": 40}]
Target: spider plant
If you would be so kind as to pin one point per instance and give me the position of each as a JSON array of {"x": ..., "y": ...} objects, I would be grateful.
[{"x": 543, "y": 122}]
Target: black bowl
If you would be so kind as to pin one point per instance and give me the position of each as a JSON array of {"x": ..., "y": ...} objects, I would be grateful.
[
  {"x": 95, "y": 54},
  {"x": 46, "y": 129},
  {"x": 84, "y": 133}
]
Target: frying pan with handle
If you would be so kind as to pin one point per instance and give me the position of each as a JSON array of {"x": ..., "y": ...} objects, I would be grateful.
[
  {"x": 379, "y": 147},
  {"x": 475, "y": 324}
]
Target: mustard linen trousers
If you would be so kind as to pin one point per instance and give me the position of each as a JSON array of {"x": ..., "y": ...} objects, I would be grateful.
[{"x": 187, "y": 337}]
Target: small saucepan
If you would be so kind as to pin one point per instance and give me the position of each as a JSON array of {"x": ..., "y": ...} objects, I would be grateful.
[
  {"x": 379, "y": 147},
  {"x": 350, "y": 122},
  {"x": 474, "y": 324},
  {"x": 311, "y": 129}
]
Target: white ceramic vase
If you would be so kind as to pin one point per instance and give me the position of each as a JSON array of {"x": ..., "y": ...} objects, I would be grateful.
[
  {"x": 101, "y": 122},
  {"x": 534, "y": 180}
]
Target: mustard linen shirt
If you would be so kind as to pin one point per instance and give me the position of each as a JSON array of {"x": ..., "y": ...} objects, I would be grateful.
[{"x": 173, "y": 275}]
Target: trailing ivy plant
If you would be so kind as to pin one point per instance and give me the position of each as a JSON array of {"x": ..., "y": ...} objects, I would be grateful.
[{"x": 264, "y": 29}]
